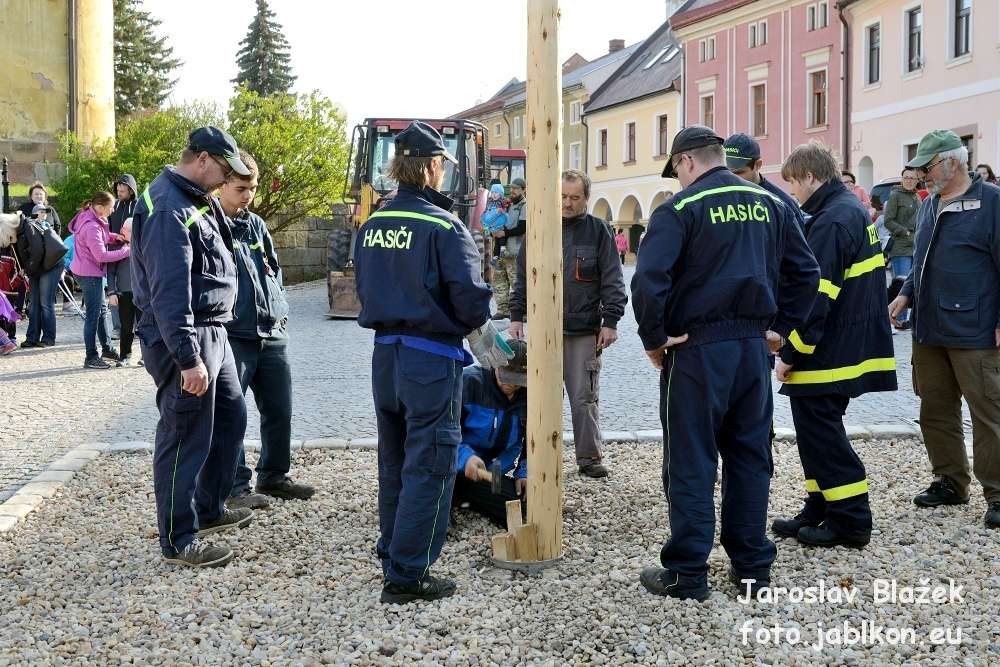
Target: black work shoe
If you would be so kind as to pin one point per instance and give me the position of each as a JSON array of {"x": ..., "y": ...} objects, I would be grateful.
[
  {"x": 230, "y": 518},
  {"x": 755, "y": 584},
  {"x": 43, "y": 343},
  {"x": 942, "y": 491},
  {"x": 790, "y": 527},
  {"x": 199, "y": 554},
  {"x": 821, "y": 536},
  {"x": 430, "y": 588},
  {"x": 661, "y": 581},
  {"x": 254, "y": 501},
  {"x": 110, "y": 354},
  {"x": 286, "y": 489},
  {"x": 96, "y": 363},
  {"x": 992, "y": 518},
  {"x": 26, "y": 344},
  {"x": 595, "y": 470}
]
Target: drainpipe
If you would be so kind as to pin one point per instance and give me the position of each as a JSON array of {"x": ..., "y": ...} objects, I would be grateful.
[
  {"x": 684, "y": 81},
  {"x": 586, "y": 141},
  {"x": 846, "y": 104},
  {"x": 72, "y": 68},
  {"x": 507, "y": 122}
]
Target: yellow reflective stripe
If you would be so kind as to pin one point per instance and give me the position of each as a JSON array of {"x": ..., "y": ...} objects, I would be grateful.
[
  {"x": 867, "y": 266},
  {"x": 838, "y": 492},
  {"x": 844, "y": 373},
  {"x": 718, "y": 191},
  {"x": 255, "y": 245},
  {"x": 194, "y": 216},
  {"x": 828, "y": 288},
  {"x": 412, "y": 215},
  {"x": 798, "y": 343},
  {"x": 149, "y": 202}
]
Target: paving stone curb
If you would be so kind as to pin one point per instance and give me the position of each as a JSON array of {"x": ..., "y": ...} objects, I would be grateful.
[{"x": 60, "y": 471}]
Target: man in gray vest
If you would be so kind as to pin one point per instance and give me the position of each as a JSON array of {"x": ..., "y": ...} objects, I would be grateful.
[{"x": 508, "y": 243}]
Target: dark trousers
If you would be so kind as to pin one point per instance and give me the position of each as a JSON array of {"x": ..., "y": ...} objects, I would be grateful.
[
  {"x": 418, "y": 411},
  {"x": 262, "y": 365},
  {"x": 835, "y": 476},
  {"x": 42, "y": 312},
  {"x": 482, "y": 500},
  {"x": 715, "y": 399},
  {"x": 130, "y": 315},
  {"x": 96, "y": 327},
  {"x": 197, "y": 438}
]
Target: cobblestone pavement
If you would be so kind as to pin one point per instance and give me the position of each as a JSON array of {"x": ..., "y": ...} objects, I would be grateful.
[{"x": 50, "y": 403}]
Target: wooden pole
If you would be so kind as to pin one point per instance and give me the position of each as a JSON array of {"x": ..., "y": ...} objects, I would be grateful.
[{"x": 544, "y": 279}]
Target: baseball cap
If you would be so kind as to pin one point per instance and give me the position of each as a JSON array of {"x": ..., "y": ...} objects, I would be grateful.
[
  {"x": 518, "y": 183},
  {"x": 39, "y": 208},
  {"x": 741, "y": 150},
  {"x": 421, "y": 140},
  {"x": 516, "y": 370},
  {"x": 214, "y": 141},
  {"x": 934, "y": 142},
  {"x": 694, "y": 136}
]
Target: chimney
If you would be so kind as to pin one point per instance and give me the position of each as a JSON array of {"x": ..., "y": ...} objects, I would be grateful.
[{"x": 616, "y": 45}]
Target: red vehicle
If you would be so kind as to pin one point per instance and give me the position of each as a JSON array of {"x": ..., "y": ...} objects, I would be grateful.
[{"x": 506, "y": 164}]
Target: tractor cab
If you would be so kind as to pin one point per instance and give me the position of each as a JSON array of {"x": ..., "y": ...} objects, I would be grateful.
[{"x": 506, "y": 164}]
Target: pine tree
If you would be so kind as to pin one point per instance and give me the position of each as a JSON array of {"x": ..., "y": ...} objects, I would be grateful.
[
  {"x": 143, "y": 61},
  {"x": 264, "y": 56}
]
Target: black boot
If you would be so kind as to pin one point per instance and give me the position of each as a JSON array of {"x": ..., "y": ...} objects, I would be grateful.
[
  {"x": 756, "y": 585},
  {"x": 942, "y": 491},
  {"x": 992, "y": 518},
  {"x": 824, "y": 536},
  {"x": 661, "y": 581},
  {"x": 790, "y": 527},
  {"x": 430, "y": 588}
]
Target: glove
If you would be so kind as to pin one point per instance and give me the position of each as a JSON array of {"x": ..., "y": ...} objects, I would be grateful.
[{"x": 488, "y": 346}]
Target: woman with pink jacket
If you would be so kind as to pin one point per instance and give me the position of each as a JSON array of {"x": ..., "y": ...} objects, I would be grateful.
[{"x": 91, "y": 254}]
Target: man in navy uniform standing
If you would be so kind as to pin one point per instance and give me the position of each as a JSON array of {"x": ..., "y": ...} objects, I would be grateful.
[
  {"x": 705, "y": 291},
  {"x": 184, "y": 282},
  {"x": 743, "y": 159},
  {"x": 420, "y": 287}
]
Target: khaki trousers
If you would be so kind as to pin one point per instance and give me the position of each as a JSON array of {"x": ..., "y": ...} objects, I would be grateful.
[
  {"x": 942, "y": 376},
  {"x": 582, "y": 375}
]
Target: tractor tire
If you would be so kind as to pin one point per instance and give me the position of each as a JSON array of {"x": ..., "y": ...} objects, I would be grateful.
[{"x": 338, "y": 249}]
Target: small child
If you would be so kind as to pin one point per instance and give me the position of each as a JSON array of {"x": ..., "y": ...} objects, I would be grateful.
[{"x": 495, "y": 216}]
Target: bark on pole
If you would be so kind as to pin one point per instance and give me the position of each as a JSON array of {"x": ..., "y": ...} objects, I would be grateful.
[{"x": 544, "y": 278}]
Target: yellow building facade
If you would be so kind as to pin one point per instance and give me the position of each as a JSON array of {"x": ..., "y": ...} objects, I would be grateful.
[{"x": 58, "y": 74}]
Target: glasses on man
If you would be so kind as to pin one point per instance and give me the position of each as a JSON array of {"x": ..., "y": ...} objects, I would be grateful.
[
  {"x": 927, "y": 169},
  {"x": 227, "y": 171}
]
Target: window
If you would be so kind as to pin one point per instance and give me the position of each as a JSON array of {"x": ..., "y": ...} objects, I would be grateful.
[
  {"x": 822, "y": 18},
  {"x": 602, "y": 148},
  {"x": 662, "y": 136},
  {"x": 575, "y": 155},
  {"x": 757, "y": 33},
  {"x": 817, "y": 16},
  {"x": 873, "y": 48},
  {"x": 706, "y": 49},
  {"x": 708, "y": 111},
  {"x": 574, "y": 113},
  {"x": 914, "y": 30},
  {"x": 629, "y": 142},
  {"x": 758, "y": 110},
  {"x": 962, "y": 29},
  {"x": 817, "y": 98},
  {"x": 652, "y": 61},
  {"x": 496, "y": 130},
  {"x": 518, "y": 127},
  {"x": 811, "y": 18},
  {"x": 911, "y": 151}
]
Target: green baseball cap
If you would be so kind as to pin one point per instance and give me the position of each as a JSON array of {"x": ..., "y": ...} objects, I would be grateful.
[{"x": 934, "y": 142}]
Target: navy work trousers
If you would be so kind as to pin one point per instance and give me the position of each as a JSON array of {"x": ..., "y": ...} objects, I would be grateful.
[
  {"x": 262, "y": 365},
  {"x": 715, "y": 399},
  {"x": 197, "y": 438},
  {"x": 418, "y": 410},
  {"x": 835, "y": 476}
]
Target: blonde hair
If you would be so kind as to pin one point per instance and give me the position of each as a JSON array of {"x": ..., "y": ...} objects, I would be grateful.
[
  {"x": 410, "y": 170},
  {"x": 814, "y": 158}
]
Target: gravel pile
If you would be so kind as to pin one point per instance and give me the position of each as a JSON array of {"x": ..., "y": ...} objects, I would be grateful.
[{"x": 81, "y": 581}]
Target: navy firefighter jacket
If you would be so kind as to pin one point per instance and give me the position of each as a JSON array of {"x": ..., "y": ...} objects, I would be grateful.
[
  {"x": 724, "y": 259},
  {"x": 183, "y": 272},
  {"x": 845, "y": 345},
  {"x": 492, "y": 424},
  {"x": 418, "y": 271}
]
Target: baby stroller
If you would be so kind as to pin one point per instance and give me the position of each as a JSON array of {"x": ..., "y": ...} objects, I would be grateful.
[{"x": 10, "y": 282}]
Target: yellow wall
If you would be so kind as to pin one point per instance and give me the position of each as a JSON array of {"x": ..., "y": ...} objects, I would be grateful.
[{"x": 631, "y": 191}]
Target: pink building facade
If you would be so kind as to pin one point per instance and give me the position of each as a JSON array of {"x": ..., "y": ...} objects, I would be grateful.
[{"x": 770, "y": 68}]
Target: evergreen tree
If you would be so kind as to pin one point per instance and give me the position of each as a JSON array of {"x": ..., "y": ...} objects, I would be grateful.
[
  {"x": 143, "y": 61},
  {"x": 264, "y": 56}
]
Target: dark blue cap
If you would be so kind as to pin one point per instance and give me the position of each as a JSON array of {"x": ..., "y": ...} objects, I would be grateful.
[
  {"x": 741, "y": 150},
  {"x": 214, "y": 141},
  {"x": 421, "y": 140},
  {"x": 691, "y": 137}
]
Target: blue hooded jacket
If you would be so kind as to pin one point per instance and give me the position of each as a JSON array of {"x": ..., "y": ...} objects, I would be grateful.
[{"x": 493, "y": 426}]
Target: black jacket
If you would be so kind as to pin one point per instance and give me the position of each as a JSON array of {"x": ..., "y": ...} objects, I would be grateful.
[
  {"x": 418, "y": 271},
  {"x": 954, "y": 286},
  {"x": 261, "y": 309},
  {"x": 845, "y": 345},
  {"x": 183, "y": 274},
  {"x": 124, "y": 208},
  {"x": 790, "y": 202},
  {"x": 29, "y": 205},
  {"x": 723, "y": 260},
  {"x": 593, "y": 286}
]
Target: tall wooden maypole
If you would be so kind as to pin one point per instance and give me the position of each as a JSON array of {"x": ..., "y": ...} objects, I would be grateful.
[{"x": 540, "y": 540}]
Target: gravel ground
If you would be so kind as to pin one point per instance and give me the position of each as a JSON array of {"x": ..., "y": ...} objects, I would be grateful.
[{"x": 304, "y": 588}]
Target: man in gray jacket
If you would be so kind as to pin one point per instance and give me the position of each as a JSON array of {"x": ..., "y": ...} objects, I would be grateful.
[
  {"x": 954, "y": 289},
  {"x": 594, "y": 300}
]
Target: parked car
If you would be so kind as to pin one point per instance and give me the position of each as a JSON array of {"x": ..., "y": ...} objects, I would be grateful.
[{"x": 883, "y": 187}]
